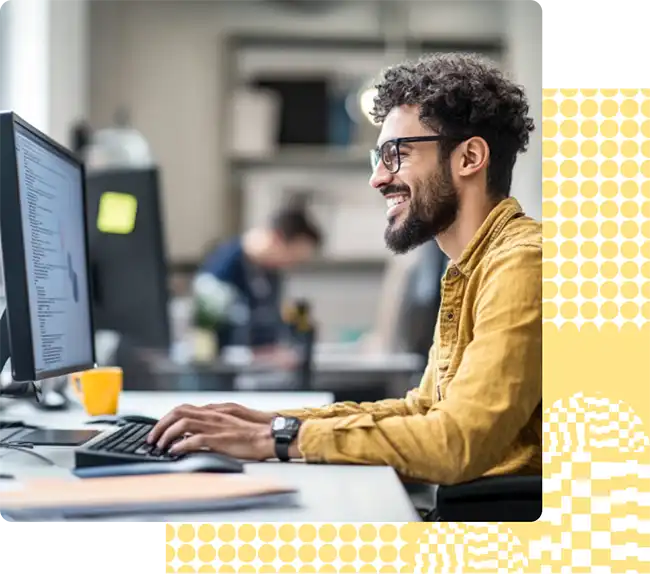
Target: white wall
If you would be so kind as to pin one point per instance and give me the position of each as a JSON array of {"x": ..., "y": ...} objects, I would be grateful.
[
  {"x": 44, "y": 63},
  {"x": 69, "y": 60},
  {"x": 27, "y": 89}
]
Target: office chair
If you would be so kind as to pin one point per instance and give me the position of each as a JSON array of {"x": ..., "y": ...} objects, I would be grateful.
[
  {"x": 420, "y": 302},
  {"x": 489, "y": 499}
]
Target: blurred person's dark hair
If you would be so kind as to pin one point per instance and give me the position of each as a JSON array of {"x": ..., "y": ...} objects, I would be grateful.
[
  {"x": 462, "y": 95},
  {"x": 292, "y": 222}
]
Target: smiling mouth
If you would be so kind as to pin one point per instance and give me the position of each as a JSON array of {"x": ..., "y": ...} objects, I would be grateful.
[{"x": 396, "y": 203}]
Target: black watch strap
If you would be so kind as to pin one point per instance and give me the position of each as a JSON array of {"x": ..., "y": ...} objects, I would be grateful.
[
  {"x": 284, "y": 431},
  {"x": 282, "y": 450}
]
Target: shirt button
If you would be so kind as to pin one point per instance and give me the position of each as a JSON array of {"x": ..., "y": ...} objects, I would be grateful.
[
  {"x": 450, "y": 316},
  {"x": 454, "y": 273}
]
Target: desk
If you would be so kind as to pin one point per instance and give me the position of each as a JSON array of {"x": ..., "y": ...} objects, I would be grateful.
[
  {"x": 330, "y": 364},
  {"x": 349, "y": 375},
  {"x": 157, "y": 404},
  {"x": 327, "y": 493}
]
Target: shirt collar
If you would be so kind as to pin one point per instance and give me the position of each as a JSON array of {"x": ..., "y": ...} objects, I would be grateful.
[{"x": 498, "y": 218}]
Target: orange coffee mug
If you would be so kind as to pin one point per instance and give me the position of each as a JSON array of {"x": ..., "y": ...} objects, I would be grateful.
[{"x": 98, "y": 390}]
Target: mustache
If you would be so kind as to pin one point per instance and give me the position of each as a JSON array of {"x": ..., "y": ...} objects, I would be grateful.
[{"x": 391, "y": 189}]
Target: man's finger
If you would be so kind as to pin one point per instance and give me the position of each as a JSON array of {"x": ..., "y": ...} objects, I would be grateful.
[
  {"x": 192, "y": 443},
  {"x": 169, "y": 419},
  {"x": 182, "y": 427}
]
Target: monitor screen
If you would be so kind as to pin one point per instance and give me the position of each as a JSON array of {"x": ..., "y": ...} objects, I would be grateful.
[{"x": 53, "y": 223}]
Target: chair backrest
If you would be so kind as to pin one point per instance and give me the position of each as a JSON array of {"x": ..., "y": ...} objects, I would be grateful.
[
  {"x": 393, "y": 289},
  {"x": 418, "y": 312},
  {"x": 409, "y": 301},
  {"x": 491, "y": 499}
]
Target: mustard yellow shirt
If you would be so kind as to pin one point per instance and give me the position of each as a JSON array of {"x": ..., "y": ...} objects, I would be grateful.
[{"x": 477, "y": 411}]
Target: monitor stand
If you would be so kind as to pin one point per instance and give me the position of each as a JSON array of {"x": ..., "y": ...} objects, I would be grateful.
[{"x": 54, "y": 400}]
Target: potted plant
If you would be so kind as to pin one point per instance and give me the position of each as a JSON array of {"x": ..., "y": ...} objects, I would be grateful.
[{"x": 212, "y": 301}]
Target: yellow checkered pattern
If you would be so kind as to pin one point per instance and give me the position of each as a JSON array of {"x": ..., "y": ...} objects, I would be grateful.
[
  {"x": 469, "y": 548},
  {"x": 596, "y": 489}
]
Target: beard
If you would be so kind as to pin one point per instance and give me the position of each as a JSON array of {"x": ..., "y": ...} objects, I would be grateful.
[{"x": 432, "y": 209}]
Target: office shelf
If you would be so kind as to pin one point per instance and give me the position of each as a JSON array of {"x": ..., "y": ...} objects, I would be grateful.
[
  {"x": 306, "y": 157},
  {"x": 489, "y": 46},
  {"x": 325, "y": 263},
  {"x": 343, "y": 264}
]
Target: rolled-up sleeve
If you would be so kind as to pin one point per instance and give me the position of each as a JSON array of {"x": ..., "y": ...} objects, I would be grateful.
[
  {"x": 412, "y": 404},
  {"x": 490, "y": 399}
]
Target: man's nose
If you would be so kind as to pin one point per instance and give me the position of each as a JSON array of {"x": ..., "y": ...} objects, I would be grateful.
[{"x": 380, "y": 176}]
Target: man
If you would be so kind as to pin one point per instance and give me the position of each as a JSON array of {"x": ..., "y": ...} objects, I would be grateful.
[
  {"x": 452, "y": 127},
  {"x": 251, "y": 268}
]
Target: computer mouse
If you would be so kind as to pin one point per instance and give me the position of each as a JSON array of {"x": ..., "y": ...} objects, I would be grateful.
[
  {"x": 141, "y": 419},
  {"x": 104, "y": 420},
  {"x": 207, "y": 462},
  {"x": 121, "y": 419},
  {"x": 194, "y": 462}
]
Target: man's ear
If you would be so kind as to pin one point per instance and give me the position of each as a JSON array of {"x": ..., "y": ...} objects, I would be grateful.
[{"x": 473, "y": 156}]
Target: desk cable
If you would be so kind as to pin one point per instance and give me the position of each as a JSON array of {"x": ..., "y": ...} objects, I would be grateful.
[{"x": 25, "y": 447}]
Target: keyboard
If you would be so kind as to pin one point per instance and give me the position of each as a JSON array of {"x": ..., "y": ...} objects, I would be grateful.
[{"x": 128, "y": 445}]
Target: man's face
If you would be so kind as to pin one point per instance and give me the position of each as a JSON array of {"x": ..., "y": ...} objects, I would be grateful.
[{"x": 421, "y": 198}]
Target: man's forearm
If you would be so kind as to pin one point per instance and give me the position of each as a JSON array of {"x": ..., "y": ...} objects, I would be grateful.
[{"x": 412, "y": 404}]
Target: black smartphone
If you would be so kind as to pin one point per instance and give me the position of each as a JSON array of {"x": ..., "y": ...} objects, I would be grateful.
[{"x": 57, "y": 437}]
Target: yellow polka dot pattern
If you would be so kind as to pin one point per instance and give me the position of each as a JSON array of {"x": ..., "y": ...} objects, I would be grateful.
[
  {"x": 596, "y": 206},
  {"x": 279, "y": 548},
  {"x": 416, "y": 547}
]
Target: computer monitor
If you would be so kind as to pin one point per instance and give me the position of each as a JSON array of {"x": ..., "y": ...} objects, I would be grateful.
[
  {"x": 47, "y": 327},
  {"x": 127, "y": 255}
]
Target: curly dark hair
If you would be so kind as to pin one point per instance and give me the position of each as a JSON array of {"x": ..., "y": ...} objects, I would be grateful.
[{"x": 462, "y": 95}]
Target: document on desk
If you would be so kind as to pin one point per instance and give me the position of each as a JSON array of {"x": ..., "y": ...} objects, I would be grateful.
[{"x": 57, "y": 499}]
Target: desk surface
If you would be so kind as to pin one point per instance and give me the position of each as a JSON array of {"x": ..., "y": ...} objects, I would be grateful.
[
  {"x": 157, "y": 404},
  {"x": 342, "y": 363},
  {"x": 327, "y": 493}
]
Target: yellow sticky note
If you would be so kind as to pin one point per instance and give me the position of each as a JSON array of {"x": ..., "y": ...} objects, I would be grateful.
[{"x": 117, "y": 212}]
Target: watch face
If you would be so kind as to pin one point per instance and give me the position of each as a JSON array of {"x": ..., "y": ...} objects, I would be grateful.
[
  {"x": 285, "y": 426},
  {"x": 292, "y": 424},
  {"x": 278, "y": 423}
]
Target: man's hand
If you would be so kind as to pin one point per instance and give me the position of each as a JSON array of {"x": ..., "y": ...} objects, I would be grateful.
[
  {"x": 201, "y": 428},
  {"x": 241, "y": 412}
]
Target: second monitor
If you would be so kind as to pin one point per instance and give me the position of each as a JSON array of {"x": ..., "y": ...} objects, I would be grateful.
[{"x": 127, "y": 256}]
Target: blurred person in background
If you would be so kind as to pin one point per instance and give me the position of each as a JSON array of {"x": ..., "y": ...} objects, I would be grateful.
[
  {"x": 452, "y": 126},
  {"x": 250, "y": 268}
]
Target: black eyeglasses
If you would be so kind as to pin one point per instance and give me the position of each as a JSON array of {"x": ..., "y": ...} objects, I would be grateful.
[{"x": 389, "y": 152}]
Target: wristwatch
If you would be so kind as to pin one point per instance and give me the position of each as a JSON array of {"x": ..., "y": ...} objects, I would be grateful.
[{"x": 284, "y": 430}]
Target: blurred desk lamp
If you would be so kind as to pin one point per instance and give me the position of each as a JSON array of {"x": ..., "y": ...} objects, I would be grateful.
[
  {"x": 394, "y": 28},
  {"x": 118, "y": 147}
]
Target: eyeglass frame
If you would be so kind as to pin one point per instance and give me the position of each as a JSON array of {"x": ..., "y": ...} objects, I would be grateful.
[{"x": 376, "y": 152}]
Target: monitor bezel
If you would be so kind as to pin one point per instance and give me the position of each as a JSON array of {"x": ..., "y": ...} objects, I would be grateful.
[{"x": 16, "y": 283}]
